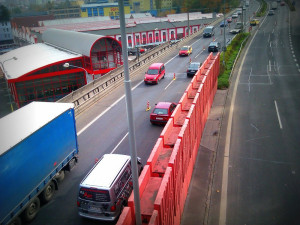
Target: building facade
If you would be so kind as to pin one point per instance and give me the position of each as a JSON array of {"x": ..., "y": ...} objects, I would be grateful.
[
  {"x": 104, "y": 9},
  {"x": 6, "y": 36}
]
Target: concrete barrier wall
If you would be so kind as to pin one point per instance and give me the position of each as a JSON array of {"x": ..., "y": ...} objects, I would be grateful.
[{"x": 165, "y": 179}]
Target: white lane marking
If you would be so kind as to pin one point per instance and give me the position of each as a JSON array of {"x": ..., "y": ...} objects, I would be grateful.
[
  {"x": 199, "y": 54},
  {"x": 170, "y": 60},
  {"x": 269, "y": 65},
  {"x": 278, "y": 115},
  {"x": 249, "y": 86},
  {"x": 106, "y": 110},
  {"x": 119, "y": 143},
  {"x": 169, "y": 84},
  {"x": 297, "y": 64},
  {"x": 223, "y": 204}
]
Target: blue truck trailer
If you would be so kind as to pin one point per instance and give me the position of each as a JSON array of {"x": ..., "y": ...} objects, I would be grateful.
[{"x": 38, "y": 142}]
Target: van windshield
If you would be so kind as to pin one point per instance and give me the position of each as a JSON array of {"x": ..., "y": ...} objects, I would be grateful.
[
  {"x": 94, "y": 195},
  {"x": 152, "y": 72}
]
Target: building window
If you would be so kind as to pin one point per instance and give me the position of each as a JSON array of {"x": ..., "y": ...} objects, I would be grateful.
[
  {"x": 83, "y": 10},
  {"x": 95, "y": 11}
]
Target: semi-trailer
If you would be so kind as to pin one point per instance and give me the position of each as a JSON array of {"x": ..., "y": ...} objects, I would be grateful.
[{"x": 38, "y": 142}]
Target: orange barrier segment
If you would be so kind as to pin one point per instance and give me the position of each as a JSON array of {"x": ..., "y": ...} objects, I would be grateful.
[
  {"x": 154, "y": 220},
  {"x": 185, "y": 102},
  {"x": 169, "y": 133},
  {"x": 179, "y": 115},
  {"x": 125, "y": 217}
]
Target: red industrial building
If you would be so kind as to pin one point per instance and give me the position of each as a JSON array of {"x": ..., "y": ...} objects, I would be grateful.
[{"x": 39, "y": 72}]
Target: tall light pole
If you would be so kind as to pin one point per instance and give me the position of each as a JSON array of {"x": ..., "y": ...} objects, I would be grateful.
[
  {"x": 67, "y": 65},
  {"x": 131, "y": 131},
  {"x": 6, "y": 75},
  {"x": 224, "y": 47}
]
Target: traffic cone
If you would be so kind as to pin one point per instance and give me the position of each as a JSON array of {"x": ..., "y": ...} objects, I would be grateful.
[
  {"x": 96, "y": 160},
  {"x": 148, "y": 106},
  {"x": 174, "y": 78},
  {"x": 203, "y": 47},
  {"x": 190, "y": 59}
]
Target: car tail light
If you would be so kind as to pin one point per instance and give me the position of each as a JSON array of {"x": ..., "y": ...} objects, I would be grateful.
[
  {"x": 78, "y": 203},
  {"x": 113, "y": 208}
]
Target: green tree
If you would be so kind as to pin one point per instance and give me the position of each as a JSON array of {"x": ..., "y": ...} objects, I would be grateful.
[{"x": 4, "y": 13}]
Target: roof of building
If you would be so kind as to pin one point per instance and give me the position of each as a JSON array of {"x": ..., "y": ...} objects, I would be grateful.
[
  {"x": 21, "y": 123},
  {"x": 32, "y": 57},
  {"x": 100, "y": 5},
  {"x": 30, "y": 21},
  {"x": 74, "y": 20},
  {"x": 73, "y": 41}
]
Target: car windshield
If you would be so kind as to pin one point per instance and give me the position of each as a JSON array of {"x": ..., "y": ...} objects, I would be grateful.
[
  {"x": 152, "y": 72},
  {"x": 213, "y": 44},
  {"x": 160, "y": 111},
  {"x": 184, "y": 48},
  {"x": 207, "y": 30},
  {"x": 194, "y": 66}
]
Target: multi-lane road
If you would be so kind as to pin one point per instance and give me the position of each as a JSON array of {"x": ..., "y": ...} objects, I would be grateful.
[
  {"x": 259, "y": 149},
  {"x": 259, "y": 178},
  {"x": 103, "y": 128}
]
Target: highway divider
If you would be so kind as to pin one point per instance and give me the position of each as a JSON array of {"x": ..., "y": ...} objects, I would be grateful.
[{"x": 165, "y": 180}]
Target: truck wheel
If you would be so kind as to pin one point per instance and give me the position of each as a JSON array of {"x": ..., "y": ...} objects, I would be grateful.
[
  {"x": 48, "y": 192},
  {"x": 32, "y": 209},
  {"x": 60, "y": 176},
  {"x": 16, "y": 221}
]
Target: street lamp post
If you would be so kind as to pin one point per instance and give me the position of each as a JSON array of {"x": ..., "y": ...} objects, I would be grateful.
[
  {"x": 224, "y": 47},
  {"x": 67, "y": 65},
  {"x": 5, "y": 73}
]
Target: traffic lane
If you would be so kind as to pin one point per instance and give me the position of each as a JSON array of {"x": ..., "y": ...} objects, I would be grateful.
[
  {"x": 146, "y": 133},
  {"x": 260, "y": 163}
]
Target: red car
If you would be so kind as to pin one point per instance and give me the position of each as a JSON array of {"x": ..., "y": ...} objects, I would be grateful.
[
  {"x": 229, "y": 19},
  {"x": 162, "y": 112},
  {"x": 155, "y": 73},
  {"x": 185, "y": 51}
]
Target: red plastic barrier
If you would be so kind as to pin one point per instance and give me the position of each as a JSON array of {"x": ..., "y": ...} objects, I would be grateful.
[
  {"x": 154, "y": 220},
  {"x": 165, "y": 179},
  {"x": 159, "y": 158},
  {"x": 169, "y": 134},
  {"x": 185, "y": 102},
  {"x": 164, "y": 202},
  {"x": 179, "y": 115},
  {"x": 125, "y": 217}
]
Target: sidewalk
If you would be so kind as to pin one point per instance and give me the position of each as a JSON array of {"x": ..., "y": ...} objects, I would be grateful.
[{"x": 198, "y": 198}]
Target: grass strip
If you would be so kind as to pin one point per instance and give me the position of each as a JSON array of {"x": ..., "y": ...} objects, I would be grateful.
[{"x": 230, "y": 56}]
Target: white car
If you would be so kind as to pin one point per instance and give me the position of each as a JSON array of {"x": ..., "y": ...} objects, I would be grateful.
[{"x": 234, "y": 16}]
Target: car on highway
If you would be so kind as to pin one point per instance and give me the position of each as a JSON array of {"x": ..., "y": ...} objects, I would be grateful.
[
  {"x": 209, "y": 31},
  {"x": 229, "y": 19},
  {"x": 271, "y": 12},
  {"x": 105, "y": 190},
  {"x": 193, "y": 68},
  {"x": 155, "y": 73},
  {"x": 254, "y": 22},
  {"x": 222, "y": 24},
  {"x": 234, "y": 15},
  {"x": 185, "y": 51},
  {"x": 162, "y": 112},
  {"x": 214, "y": 46},
  {"x": 239, "y": 12}
]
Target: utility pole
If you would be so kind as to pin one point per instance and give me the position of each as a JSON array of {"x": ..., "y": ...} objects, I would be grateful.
[
  {"x": 224, "y": 47},
  {"x": 131, "y": 131}
]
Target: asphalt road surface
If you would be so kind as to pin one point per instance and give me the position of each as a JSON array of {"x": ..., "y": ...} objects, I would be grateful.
[
  {"x": 103, "y": 129},
  {"x": 258, "y": 176}
]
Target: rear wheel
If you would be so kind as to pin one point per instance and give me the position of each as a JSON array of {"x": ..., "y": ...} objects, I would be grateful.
[
  {"x": 48, "y": 192},
  {"x": 32, "y": 209},
  {"x": 60, "y": 176}
]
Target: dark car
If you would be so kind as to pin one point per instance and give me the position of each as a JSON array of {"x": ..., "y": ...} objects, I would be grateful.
[
  {"x": 162, "y": 112},
  {"x": 214, "y": 46},
  {"x": 222, "y": 24},
  {"x": 209, "y": 31},
  {"x": 193, "y": 68}
]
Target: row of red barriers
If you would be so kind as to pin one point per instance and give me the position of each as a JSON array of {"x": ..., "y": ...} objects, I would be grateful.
[{"x": 165, "y": 179}]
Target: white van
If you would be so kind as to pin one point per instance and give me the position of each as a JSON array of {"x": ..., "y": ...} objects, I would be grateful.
[{"x": 106, "y": 188}]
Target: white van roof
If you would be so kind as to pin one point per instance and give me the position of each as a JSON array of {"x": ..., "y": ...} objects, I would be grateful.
[{"x": 105, "y": 171}]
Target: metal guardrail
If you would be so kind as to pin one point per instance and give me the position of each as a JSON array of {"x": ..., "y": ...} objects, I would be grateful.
[{"x": 87, "y": 95}]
